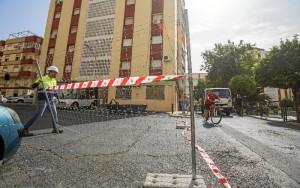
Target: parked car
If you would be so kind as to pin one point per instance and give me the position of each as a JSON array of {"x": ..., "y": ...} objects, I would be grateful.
[
  {"x": 21, "y": 99},
  {"x": 10, "y": 99},
  {"x": 3, "y": 99},
  {"x": 10, "y": 133}
]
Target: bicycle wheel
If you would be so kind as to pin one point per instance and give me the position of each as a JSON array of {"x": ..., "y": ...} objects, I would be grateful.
[{"x": 216, "y": 116}]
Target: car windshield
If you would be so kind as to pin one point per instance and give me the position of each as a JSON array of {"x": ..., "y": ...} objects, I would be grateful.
[{"x": 223, "y": 93}]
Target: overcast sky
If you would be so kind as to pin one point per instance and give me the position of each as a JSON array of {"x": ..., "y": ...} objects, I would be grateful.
[{"x": 260, "y": 22}]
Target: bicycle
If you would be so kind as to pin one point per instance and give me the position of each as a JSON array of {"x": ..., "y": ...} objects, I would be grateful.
[{"x": 214, "y": 114}]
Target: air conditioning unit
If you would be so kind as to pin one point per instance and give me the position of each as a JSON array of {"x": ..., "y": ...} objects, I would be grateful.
[
  {"x": 167, "y": 58},
  {"x": 17, "y": 46}
]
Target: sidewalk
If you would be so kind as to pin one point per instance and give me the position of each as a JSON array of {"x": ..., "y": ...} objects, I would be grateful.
[
  {"x": 182, "y": 114},
  {"x": 292, "y": 120},
  {"x": 274, "y": 118}
]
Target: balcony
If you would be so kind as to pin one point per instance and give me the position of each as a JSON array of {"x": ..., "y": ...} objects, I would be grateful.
[
  {"x": 2, "y": 43},
  {"x": 33, "y": 39},
  {"x": 126, "y": 53},
  {"x": 13, "y": 62},
  {"x": 11, "y": 74},
  {"x": 72, "y": 38},
  {"x": 27, "y": 62},
  {"x": 153, "y": 72},
  {"x": 15, "y": 51},
  {"x": 27, "y": 74},
  {"x": 75, "y": 20},
  {"x": 124, "y": 73},
  {"x": 31, "y": 50},
  {"x": 129, "y": 10}
]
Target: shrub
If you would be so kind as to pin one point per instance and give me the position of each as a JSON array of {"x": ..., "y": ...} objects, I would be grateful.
[{"x": 287, "y": 103}]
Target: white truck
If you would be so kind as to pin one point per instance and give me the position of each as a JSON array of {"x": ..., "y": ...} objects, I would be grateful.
[{"x": 225, "y": 96}]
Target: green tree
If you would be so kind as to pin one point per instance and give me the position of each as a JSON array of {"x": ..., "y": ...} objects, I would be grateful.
[
  {"x": 202, "y": 84},
  {"x": 281, "y": 68},
  {"x": 242, "y": 84},
  {"x": 228, "y": 60}
]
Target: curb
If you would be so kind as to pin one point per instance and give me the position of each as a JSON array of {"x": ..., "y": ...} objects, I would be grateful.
[{"x": 277, "y": 121}]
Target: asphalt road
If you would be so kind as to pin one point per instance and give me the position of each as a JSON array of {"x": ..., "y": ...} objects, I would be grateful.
[{"x": 104, "y": 150}]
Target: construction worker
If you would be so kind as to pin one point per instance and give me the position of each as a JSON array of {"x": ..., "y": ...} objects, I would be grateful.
[{"x": 42, "y": 103}]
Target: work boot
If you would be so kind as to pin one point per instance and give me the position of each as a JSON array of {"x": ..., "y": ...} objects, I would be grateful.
[{"x": 25, "y": 133}]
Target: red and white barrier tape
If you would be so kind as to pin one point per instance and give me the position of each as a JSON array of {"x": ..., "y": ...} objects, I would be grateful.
[
  {"x": 127, "y": 81},
  {"x": 208, "y": 160}
]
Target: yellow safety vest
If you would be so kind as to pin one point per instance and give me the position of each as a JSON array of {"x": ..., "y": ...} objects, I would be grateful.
[{"x": 48, "y": 82}]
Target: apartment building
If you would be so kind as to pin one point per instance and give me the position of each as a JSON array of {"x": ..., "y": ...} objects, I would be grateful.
[
  {"x": 102, "y": 39},
  {"x": 17, "y": 58}
]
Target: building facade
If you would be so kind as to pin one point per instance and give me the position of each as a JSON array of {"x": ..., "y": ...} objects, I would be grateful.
[
  {"x": 101, "y": 39},
  {"x": 18, "y": 69}
]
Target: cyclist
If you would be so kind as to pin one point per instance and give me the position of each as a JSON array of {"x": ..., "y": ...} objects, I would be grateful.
[{"x": 210, "y": 100}]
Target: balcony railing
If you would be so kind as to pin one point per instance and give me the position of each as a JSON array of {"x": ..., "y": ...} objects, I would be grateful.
[
  {"x": 33, "y": 50},
  {"x": 27, "y": 74},
  {"x": 27, "y": 62}
]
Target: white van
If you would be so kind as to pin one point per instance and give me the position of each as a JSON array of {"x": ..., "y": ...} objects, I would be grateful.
[{"x": 225, "y": 96}]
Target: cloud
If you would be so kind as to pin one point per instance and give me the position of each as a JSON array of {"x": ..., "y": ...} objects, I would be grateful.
[{"x": 258, "y": 22}]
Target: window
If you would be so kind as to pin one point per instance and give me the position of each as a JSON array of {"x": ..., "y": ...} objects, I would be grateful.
[
  {"x": 157, "y": 39},
  {"x": 157, "y": 18},
  {"x": 73, "y": 29},
  {"x": 6, "y": 58},
  {"x": 57, "y": 15},
  {"x": 127, "y": 42},
  {"x": 18, "y": 58},
  {"x": 123, "y": 92},
  {"x": 68, "y": 68},
  {"x": 53, "y": 34},
  {"x": 4, "y": 69},
  {"x": 155, "y": 93},
  {"x": 16, "y": 69},
  {"x": 130, "y": 2},
  {"x": 125, "y": 65},
  {"x": 51, "y": 51},
  {"x": 9, "y": 47},
  {"x": 155, "y": 64},
  {"x": 128, "y": 21},
  {"x": 76, "y": 11},
  {"x": 71, "y": 48}
]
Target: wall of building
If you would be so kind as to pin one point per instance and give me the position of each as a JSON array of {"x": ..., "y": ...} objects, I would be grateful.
[
  {"x": 99, "y": 51},
  {"x": 18, "y": 60}
]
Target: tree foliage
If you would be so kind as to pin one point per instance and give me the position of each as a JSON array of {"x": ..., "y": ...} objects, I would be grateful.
[
  {"x": 242, "y": 84},
  {"x": 281, "y": 68},
  {"x": 201, "y": 85},
  {"x": 228, "y": 60}
]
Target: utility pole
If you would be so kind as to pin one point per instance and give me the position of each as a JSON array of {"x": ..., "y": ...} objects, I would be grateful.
[{"x": 191, "y": 90}]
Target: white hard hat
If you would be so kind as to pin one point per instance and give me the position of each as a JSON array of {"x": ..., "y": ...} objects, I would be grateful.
[{"x": 53, "y": 68}]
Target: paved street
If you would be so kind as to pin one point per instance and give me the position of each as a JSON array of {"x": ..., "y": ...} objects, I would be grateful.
[{"x": 104, "y": 150}]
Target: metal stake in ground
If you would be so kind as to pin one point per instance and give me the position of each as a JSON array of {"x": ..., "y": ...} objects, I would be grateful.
[{"x": 52, "y": 115}]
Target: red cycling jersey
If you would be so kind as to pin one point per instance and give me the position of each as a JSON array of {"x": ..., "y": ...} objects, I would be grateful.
[{"x": 212, "y": 98}]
